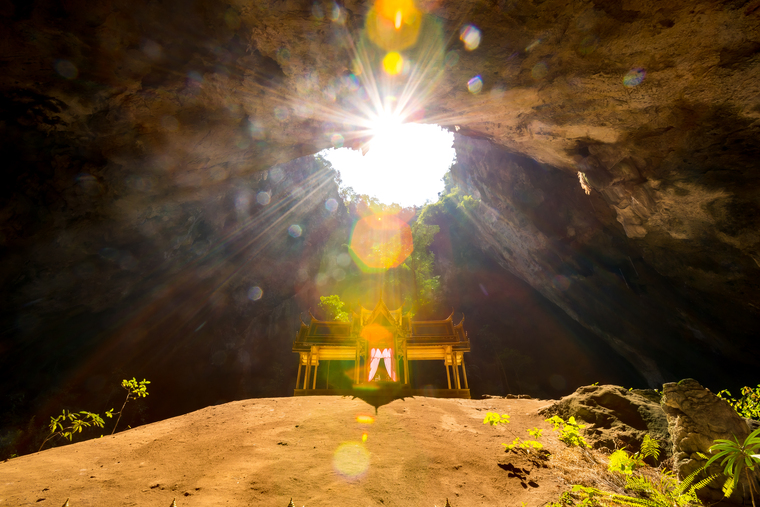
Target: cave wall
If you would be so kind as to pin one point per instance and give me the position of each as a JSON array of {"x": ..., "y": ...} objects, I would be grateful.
[
  {"x": 202, "y": 297},
  {"x": 136, "y": 137},
  {"x": 539, "y": 224}
]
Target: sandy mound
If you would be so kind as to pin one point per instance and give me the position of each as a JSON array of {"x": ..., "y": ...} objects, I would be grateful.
[{"x": 418, "y": 452}]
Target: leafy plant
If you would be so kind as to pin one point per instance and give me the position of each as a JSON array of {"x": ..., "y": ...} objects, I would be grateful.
[
  {"x": 334, "y": 308},
  {"x": 623, "y": 462},
  {"x": 523, "y": 444},
  {"x": 746, "y": 406},
  {"x": 735, "y": 458},
  {"x": 135, "y": 390},
  {"x": 469, "y": 203},
  {"x": 589, "y": 497},
  {"x": 665, "y": 491},
  {"x": 650, "y": 447},
  {"x": 535, "y": 432},
  {"x": 494, "y": 419},
  {"x": 76, "y": 422},
  {"x": 570, "y": 431},
  {"x": 421, "y": 264}
]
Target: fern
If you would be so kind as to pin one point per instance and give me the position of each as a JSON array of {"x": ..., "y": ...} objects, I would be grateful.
[
  {"x": 650, "y": 447},
  {"x": 621, "y": 461},
  {"x": 666, "y": 492},
  {"x": 589, "y": 497}
]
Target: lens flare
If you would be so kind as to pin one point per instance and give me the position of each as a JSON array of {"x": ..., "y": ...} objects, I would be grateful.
[
  {"x": 588, "y": 45},
  {"x": 351, "y": 459},
  {"x": 337, "y": 140},
  {"x": 539, "y": 71},
  {"x": 255, "y": 293},
  {"x": 343, "y": 259},
  {"x": 393, "y": 63},
  {"x": 380, "y": 241},
  {"x": 263, "y": 198},
  {"x": 316, "y": 10},
  {"x": 394, "y": 25},
  {"x": 470, "y": 36},
  {"x": 377, "y": 336},
  {"x": 365, "y": 419},
  {"x": 295, "y": 231},
  {"x": 634, "y": 78},
  {"x": 475, "y": 85},
  {"x": 66, "y": 69}
]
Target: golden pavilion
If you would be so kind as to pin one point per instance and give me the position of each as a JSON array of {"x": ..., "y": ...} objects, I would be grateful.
[{"x": 382, "y": 343}]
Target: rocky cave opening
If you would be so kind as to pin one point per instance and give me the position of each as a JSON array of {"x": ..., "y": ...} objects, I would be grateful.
[{"x": 164, "y": 216}]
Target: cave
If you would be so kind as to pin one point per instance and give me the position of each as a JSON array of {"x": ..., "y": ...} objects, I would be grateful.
[{"x": 164, "y": 216}]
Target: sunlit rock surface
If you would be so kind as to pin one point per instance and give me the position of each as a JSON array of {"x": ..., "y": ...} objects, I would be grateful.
[
  {"x": 617, "y": 417},
  {"x": 696, "y": 419},
  {"x": 138, "y": 136}
]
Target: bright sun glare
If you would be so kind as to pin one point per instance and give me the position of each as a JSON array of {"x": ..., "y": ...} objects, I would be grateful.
[{"x": 405, "y": 163}]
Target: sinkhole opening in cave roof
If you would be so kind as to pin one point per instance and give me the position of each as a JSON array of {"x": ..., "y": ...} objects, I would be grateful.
[{"x": 404, "y": 164}]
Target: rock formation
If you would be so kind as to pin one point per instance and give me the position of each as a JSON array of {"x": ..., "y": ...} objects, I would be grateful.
[
  {"x": 696, "y": 418},
  {"x": 617, "y": 417}
]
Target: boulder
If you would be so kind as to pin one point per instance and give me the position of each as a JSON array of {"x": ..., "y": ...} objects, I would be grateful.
[
  {"x": 617, "y": 417},
  {"x": 696, "y": 418}
]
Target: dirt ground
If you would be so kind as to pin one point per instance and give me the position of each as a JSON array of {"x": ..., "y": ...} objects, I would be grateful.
[{"x": 261, "y": 452}]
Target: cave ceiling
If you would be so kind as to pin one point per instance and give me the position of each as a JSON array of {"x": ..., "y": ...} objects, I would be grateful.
[{"x": 137, "y": 134}]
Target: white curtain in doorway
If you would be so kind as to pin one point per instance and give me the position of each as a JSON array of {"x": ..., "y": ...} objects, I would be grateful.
[{"x": 376, "y": 355}]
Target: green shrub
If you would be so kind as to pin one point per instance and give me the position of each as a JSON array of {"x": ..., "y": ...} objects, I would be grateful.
[
  {"x": 523, "y": 444},
  {"x": 746, "y": 406},
  {"x": 570, "y": 431},
  {"x": 735, "y": 458},
  {"x": 135, "y": 390},
  {"x": 494, "y": 419},
  {"x": 535, "y": 432},
  {"x": 69, "y": 423},
  {"x": 334, "y": 308},
  {"x": 621, "y": 461},
  {"x": 76, "y": 422}
]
